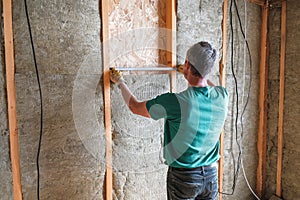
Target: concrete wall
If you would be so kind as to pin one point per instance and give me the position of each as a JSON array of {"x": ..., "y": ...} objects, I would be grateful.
[
  {"x": 290, "y": 172},
  {"x": 67, "y": 40},
  {"x": 243, "y": 130},
  {"x": 66, "y": 34}
]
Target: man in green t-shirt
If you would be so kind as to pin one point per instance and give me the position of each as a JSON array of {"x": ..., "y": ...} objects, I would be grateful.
[{"x": 193, "y": 122}]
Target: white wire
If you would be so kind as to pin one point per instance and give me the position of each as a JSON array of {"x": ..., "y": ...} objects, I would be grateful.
[
  {"x": 244, "y": 175},
  {"x": 244, "y": 80}
]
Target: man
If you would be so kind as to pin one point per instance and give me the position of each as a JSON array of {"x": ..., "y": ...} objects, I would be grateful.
[{"x": 193, "y": 122}]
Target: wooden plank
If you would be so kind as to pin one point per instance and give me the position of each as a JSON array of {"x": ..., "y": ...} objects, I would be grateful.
[
  {"x": 171, "y": 40},
  {"x": 281, "y": 100},
  {"x": 11, "y": 98},
  {"x": 262, "y": 134},
  {"x": 222, "y": 79},
  {"x": 221, "y": 165},
  {"x": 107, "y": 106},
  {"x": 222, "y": 64}
]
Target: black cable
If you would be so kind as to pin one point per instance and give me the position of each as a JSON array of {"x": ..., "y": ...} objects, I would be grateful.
[
  {"x": 236, "y": 91},
  {"x": 236, "y": 173},
  {"x": 41, "y": 102},
  {"x": 250, "y": 79},
  {"x": 250, "y": 63}
]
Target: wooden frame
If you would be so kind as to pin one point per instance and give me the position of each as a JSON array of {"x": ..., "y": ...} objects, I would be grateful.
[
  {"x": 222, "y": 70},
  {"x": 11, "y": 98},
  {"x": 107, "y": 106},
  {"x": 171, "y": 61},
  {"x": 171, "y": 40},
  {"x": 262, "y": 129},
  {"x": 262, "y": 132}
]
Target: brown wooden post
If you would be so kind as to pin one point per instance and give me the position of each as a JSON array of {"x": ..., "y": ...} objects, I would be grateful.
[
  {"x": 171, "y": 40},
  {"x": 222, "y": 70},
  {"x": 262, "y": 129},
  {"x": 281, "y": 100},
  {"x": 11, "y": 98},
  {"x": 107, "y": 106}
]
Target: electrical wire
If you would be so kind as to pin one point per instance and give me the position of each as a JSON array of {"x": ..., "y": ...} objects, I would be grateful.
[
  {"x": 236, "y": 91},
  {"x": 41, "y": 101},
  {"x": 248, "y": 94},
  {"x": 239, "y": 160},
  {"x": 247, "y": 182}
]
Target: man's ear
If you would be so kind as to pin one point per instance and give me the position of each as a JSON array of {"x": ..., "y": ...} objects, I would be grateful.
[{"x": 188, "y": 66}]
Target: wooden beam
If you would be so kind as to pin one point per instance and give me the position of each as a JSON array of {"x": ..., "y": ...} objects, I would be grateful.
[
  {"x": 222, "y": 64},
  {"x": 107, "y": 106},
  {"x": 11, "y": 98},
  {"x": 281, "y": 100},
  {"x": 222, "y": 70},
  {"x": 171, "y": 40},
  {"x": 262, "y": 133}
]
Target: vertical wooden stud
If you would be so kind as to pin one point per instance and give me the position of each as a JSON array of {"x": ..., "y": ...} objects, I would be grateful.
[
  {"x": 107, "y": 106},
  {"x": 262, "y": 133},
  {"x": 281, "y": 100},
  {"x": 222, "y": 71},
  {"x": 171, "y": 40},
  {"x": 11, "y": 98}
]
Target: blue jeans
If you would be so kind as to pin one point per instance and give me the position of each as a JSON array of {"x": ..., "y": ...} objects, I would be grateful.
[{"x": 196, "y": 184}]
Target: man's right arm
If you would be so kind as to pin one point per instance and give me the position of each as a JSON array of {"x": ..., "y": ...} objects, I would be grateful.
[
  {"x": 135, "y": 106},
  {"x": 131, "y": 101}
]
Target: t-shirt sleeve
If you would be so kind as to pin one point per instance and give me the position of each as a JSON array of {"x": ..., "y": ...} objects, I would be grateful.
[
  {"x": 223, "y": 91},
  {"x": 162, "y": 106}
]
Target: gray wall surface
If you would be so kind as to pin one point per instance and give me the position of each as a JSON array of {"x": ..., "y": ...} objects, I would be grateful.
[
  {"x": 290, "y": 162},
  {"x": 72, "y": 162}
]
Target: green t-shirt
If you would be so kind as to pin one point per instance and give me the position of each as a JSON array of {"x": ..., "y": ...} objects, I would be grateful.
[{"x": 194, "y": 120}]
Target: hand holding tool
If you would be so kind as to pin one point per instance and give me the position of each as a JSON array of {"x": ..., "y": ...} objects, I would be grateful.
[
  {"x": 180, "y": 68},
  {"x": 116, "y": 76}
]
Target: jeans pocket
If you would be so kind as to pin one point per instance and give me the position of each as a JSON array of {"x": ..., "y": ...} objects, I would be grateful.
[
  {"x": 183, "y": 185},
  {"x": 212, "y": 187}
]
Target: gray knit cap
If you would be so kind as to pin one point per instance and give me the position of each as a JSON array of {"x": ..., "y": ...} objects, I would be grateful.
[{"x": 202, "y": 56}]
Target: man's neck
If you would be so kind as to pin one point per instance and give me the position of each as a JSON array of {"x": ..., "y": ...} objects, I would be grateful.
[{"x": 198, "y": 82}]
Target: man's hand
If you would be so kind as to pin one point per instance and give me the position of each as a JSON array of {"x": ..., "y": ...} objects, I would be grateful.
[
  {"x": 116, "y": 76},
  {"x": 180, "y": 68}
]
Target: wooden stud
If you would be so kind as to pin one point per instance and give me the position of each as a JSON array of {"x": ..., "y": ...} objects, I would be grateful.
[
  {"x": 171, "y": 40},
  {"x": 281, "y": 99},
  {"x": 107, "y": 106},
  {"x": 222, "y": 71},
  {"x": 262, "y": 133},
  {"x": 11, "y": 99}
]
